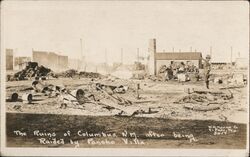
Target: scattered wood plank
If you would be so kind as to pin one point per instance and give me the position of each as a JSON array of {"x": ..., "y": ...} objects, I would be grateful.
[
  {"x": 202, "y": 107},
  {"x": 144, "y": 101},
  {"x": 232, "y": 87}
]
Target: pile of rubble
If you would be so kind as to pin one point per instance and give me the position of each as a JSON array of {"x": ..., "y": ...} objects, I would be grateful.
[
  {"x": 72, "y": 73},
  {"x": 200, "y": 100},
  {"x": 138, "y": 66},
  {"x": 230, "y": 79},
  {"x": 101, "y": 95},
  {"x": 89, "y": 74},
  {"x": 68, "y": 73},
  {"x": 31, "y": 70}
]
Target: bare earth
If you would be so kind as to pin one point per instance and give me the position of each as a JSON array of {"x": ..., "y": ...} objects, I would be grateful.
[
  {"x": 184, "y": 119},
  {"x": 161, "y": 97}
]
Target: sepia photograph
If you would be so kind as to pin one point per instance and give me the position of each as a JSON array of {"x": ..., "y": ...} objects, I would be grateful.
[{"x": 140, "y": 76}]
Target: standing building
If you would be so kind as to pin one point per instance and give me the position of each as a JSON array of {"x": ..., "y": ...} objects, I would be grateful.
[
  {"x": 62, "y": 62},
  {"x": 41, "y": 57},
  {"x": 51, "y": 60},
  {"x": 157, "y": 59},
  {"x": 9, "y": 59}
]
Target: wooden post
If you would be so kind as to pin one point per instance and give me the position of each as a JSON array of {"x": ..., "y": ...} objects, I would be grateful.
[{"x": 137, "y": 90}]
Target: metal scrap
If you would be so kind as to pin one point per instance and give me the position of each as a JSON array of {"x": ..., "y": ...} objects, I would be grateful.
[{"x": 112, "y": 89}]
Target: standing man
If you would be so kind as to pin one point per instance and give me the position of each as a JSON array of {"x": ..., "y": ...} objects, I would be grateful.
[
  {"x": 162, "y": 73},
  {"x": 207, "y": 69}
]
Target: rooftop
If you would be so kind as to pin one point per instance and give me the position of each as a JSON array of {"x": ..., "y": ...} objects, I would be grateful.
[{"x": 178, "y": 55}]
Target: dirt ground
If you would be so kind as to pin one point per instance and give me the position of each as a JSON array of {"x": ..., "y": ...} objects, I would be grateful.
[
  {"x": 180, "y": 115},
  {"x": 163, "y": 99},
  {"x": 164, "y": 132}
]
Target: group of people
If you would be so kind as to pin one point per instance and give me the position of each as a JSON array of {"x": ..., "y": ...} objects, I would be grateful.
[
  {"x": 170, "y": 72},
  {"x": 166, "y": 73}
]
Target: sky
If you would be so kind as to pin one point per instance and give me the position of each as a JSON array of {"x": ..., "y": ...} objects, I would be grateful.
[{"x": 58, "y": 26}]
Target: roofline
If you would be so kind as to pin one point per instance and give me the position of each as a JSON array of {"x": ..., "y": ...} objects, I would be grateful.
[
  {"x": 179, "y": 52},
  {"x": 178, "y": 56}
]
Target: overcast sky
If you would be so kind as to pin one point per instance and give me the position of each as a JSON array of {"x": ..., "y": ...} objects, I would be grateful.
[{"x": 58, "y": 26}]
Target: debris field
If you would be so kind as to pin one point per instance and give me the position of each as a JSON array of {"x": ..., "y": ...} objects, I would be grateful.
[{"x": 83, "y": 93}]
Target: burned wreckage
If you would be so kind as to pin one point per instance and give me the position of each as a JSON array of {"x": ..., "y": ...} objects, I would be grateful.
[
  {"x": 66, "y": 97},
  {"x": 122, "y": 97}
]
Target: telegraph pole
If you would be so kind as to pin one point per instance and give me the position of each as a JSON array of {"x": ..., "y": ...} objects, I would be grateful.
[
  {"x": 81, "y": 49},
  {"x": 106, "y": 59},
  {"x": 81, "y": 55},
  {"x": 231, "y": 55},
  {"x": 122, "y": 56},
  {"x": 211, "y": 52},
  {"x": 138, "y": 55}
]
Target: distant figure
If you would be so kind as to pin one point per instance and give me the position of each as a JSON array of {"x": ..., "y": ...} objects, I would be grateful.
[
  {"x": 169, "y": 74},
  {"x": 196, "y": 72},
  {"x": 162, "y": 73},
  {"x": 182, "y": 68},
  {"x": 207, "y": 69}
]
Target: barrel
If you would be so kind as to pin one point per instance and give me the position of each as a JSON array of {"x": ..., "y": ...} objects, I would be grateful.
[
  {"x": 14, "y": 97},
  {"x": 78, "y": 94},
  {"x": 38, "y": 86},
  {"x": 27, "y": 98}
]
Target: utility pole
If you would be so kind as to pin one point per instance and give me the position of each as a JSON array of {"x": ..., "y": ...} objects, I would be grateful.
[
  {"x": 211, "y": 52},
  {"x": 106, "y": 59},
  {"x": 191, "y": 49},
  {"x": 81, "y": 55},
  {"x": 81, "y": 49},
  {"x": 122, "y": 56},
  {"x": 231, "y": 55},
  {"x": 58, "y": 63},
  {"x": 138, "y": 55},
  {"x": 173, "y": 49}
]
